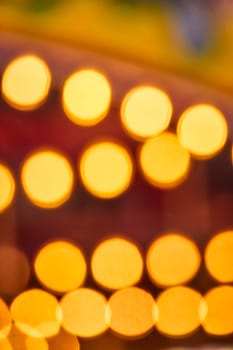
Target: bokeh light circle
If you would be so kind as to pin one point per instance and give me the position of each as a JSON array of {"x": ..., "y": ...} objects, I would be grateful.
[
  {"x": 172, "y": 259},
  {"x": 106, "y": 169},
  {"x": 7, "y": 187},
  {"x": 47, "y": 178},
  {"x": 26, "y": 82},
  {"x": 163, "y": 161},
  {"x": 84, "y": 313},
  {"x": 60, "y": 266},
  {"x": 116, "y": 263},
  {"x": 145, "y": 112},
  {"x": 202, "y": 129},
  {"x": 219, "y": 257},
  {"x": 86, "y": 97},
  {"x": 131, "y": 312}
]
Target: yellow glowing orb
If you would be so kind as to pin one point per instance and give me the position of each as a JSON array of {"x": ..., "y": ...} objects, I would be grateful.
[
  {"x": 179, "y": 311},
  {"x": 7, "y": 188},
  {"x": 63, "y": 341},
  {"x": 202, "y": 129},
  {"x": 60, "y": 266},
  {"x": 86, "y": 97},
  {"x": 164, "y": 162},
  {"x": 145, "y": 112},
  {"x": 172, "y": 259},
  {"x": 14, "y": 271},
  {"x": 117, "y": 263},
  {"x": 5, "y": 320},
  {"x": 36, "y": 313},
  {"x": 219, "y": 257},
  {"x": 84, "y": 313},
  {"x": 47, "y": 178},
  {"x": 26, "y": 82},
  {"x": 219, "y": 316},
  {"x": 106, "y": 169},
  {"x": 20, "y": 341},
  {"x": 131, "y": 312}
]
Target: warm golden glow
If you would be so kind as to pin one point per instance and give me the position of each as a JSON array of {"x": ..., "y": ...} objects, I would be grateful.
[
  {"x": 5, "y": 320},
  {"x": 86, "y": 97},
  {"x": 202, "y": 129},
  {"x": 219, "y": 257},
  {"x": 131, "y": 312},
  {"x": 36, "y": 313},
  {"x": 172, "y": 259},
  {"x": 20, "y": 341},
  {"x": 179, "y": 311},
  {"x": 7, "y": 188},
  {"x": 47, "y": 178},
  {"x": 106, "y": 169},
  {"x": 164, "y": 162},
  {"x": 116, "y": 263},
  {"x": 60, "y": 266},
  {"x": 146, "y": 111},
  {"x": 14, "y": 271},
  {"x": 84, "y": 313},
  {"x": 219, "y": 315},
  {"x": 26, "y": 82},
  {"x": 63, "y": 341}
]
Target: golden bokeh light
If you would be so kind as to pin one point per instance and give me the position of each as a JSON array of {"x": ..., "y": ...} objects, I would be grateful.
[
  {"x": 5, "y": 320},
  {"x": 63, "y": 341},
  {"x": 106, "y": 169},
  {"x": 172, "y": 259},
  {"x": 116, "y": 263},
  {"x": 219, "y": 257},
  {"x": 7, "y": 187},
  {"x": 86, "y": 97},
  {"x": 26, "y": 82},
  {"x": 163, "y": 161},
  {"x": 60, "y": 266},
  {"x": 202, "y": 129},
  {"x": 131, "y": 312},
  {"x": 36, "y": 313},
  {"x": 218, "y": 320},
  {"x": 20, "y": 341},
  {"x": 145, "y": 112},
  {"x": 14, "y": 271},
  {"x": 47, "y": 178},
  {"x": 179, "y": 311},
  {"x": 84, "y": 313}
]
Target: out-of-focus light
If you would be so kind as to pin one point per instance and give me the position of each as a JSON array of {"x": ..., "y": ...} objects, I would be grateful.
[
  {"x": 14, "y": 271},
  {"x": 84, "y": 313},
  {"x": 145, "y": 112},
  {"x": 20, "y": 341},
  {"x": 179, "y": 311},
  {"x": 219, "y": 306},
  {"x": 219, "y": 257},
  {"x": 63, "y": 341},
  {"x": 107, "y": 341},
  {"x": 202, "y": 129},
  {"x": 172, "y": 259},
  {"x": 131, "y": 312},
  {"x": 106, "y": 169},
  {"x": 86, "y": 97},
  {"x": 116, "y": 263},
  {"x": 7, "y": 187},
  {"x": 26, "y": 82},
  {"x": 164, "y": 162},
  {"x": 60, "y": 266},
  {"x": 47, "y": 178},
  {"x": 5, "y": 320},
  {"x": 36, "y": 313}
]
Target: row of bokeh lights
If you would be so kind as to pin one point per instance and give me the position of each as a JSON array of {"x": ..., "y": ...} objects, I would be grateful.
[
  {"x": 106, "y": 167},
  {"x": 117, "y": 265}
]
